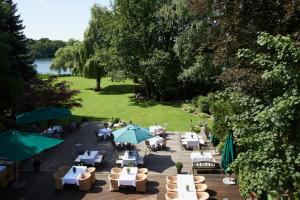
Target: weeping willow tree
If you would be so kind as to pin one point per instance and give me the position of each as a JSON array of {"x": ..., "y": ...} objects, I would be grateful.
[{"x": 95, "y": 52}]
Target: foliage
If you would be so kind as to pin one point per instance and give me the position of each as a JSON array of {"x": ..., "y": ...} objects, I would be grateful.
[
  {"x": 268, "y": 129},
  {"x": 48, "y": 92},
  {"x": 204, "y": 103},
  {"x": 179, "y": 165},
  {"x": 15, "y": 63},
  {"x": 44, "y": 47}
]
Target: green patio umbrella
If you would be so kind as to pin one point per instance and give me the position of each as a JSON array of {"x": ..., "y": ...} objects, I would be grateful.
[
  {"x": 228, "y": 156},
  {"x": 16, "y": 145},
  {"x": 132, "y": 134},
  {"x": 215, "y": 140},
  {"x": 43, "y": 114}
]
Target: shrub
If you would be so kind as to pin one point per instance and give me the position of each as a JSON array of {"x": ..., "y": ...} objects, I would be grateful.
[
  {"x": 188, "y": 107},
  {"x": 203, "y": 103},
  {"x": 179, "y": 165}
]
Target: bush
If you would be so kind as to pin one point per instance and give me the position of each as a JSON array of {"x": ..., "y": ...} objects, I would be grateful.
[
  {"x": 203, "y": 103},
  {"x": 179, "y": 165},
  {"x": 116, "y": 120},
  {"x": 188, "y": 107}
]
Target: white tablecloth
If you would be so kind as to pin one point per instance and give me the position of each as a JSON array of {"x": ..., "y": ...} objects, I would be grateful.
[
  {"x": 198, "y": 157},
  {"x": 156, "y": 129},
  {"x": 182, "y": 181},
  {"x": 191, "y": 139},
  {"x": 71, "y": 177},
  {"x": 89, "y": 159},
  {"x": 155, "y": 141},
  {"x": 104, "y": 132},
  {"x": 128, "y": 178},
  {"x": 126, "y": 158}
]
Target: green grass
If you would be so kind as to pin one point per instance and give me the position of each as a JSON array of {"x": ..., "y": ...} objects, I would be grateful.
[{"x": 115, "y": 101}]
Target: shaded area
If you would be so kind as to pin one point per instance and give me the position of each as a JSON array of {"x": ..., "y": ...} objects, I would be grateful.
[
  {"x": 116, "y": 89},
  {"x": 159, "y": 163},
  {"x": 150, "y": 103}
]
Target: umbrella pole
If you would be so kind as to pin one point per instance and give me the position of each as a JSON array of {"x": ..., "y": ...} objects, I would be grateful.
[{"x": 18, "y": 184}]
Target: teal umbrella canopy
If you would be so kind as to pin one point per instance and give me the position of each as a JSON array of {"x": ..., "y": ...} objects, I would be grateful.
[
  {"x": 18, "y": 146},
  {"x": 132, "y": 134},
  {"x": 228, "y": 154},
  {"x": 43, "y": 114}
]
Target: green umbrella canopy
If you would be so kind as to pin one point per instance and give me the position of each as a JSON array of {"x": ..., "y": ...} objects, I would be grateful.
[
  {"x": 43, "y": 114},
  {"x": 18, "y": 146},
  {"x": 215, "y": 140},
  {"x": 228, "y": 154},
  {"x": 132, "y": 134}
]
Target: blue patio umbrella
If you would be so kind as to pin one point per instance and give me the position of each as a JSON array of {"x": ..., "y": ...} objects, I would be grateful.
[{"x": 132, "y": 134}]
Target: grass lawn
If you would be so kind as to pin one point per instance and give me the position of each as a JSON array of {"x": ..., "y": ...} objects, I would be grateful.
[{"x": 114, "y": 101}]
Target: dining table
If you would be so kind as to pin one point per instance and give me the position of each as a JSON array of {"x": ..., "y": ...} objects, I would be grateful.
[
  {"x": 186, "y": 187},
  {"x": 156, "y": 130},
  {"x": 128, "y": 176},
  {"x": 105, "y": 132},
  {"x": 89, "y": 157},
  {"x": 156, "y": 141},
  {"x": 72, "y": 176},
  {"x": 202, "y": 157}
]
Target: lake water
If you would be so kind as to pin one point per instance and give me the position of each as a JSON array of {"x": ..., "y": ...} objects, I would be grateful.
[{"x": 43, "y": 67}]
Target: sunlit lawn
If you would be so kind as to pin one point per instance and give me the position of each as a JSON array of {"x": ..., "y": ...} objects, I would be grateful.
[{"x": 114, "y": 101}]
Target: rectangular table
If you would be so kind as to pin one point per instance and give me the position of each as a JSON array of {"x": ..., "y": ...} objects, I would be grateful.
[
  {"x": 89, "y": 159},
  {"x": 128, "y": 179},
  {"x": 155, "y": 141},
  {"x": 71, "y": 177},
  {"x": 156, "y": 130},
  {"x": 198, "y": 157},
  {"x": 182, "y": 181},
  {"x": 126, "y": 158}
]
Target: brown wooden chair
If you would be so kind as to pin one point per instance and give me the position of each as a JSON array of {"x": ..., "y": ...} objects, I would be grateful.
[
  {"x": 141, "y": 182},
  {"x": 171, "y": 195},
  {"x": 143, "y": 170},
  {"x": 113, "y": 180},
  {"x": 171, "y": 179},
  {"x": 171, "y": 187},
  {"x": 92, "y": 171},
  {"x": 85, "y": 182},
  {"x": 116, "y": 170},
  {"x": 200, "y": 187},
  {"x": 58, "y": 185},
  {"x": 151, "y": 148},
  {"x": 202, "y": 195},
  {"x": 199, "y": 179}
]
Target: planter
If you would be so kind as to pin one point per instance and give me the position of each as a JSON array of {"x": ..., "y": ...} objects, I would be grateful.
[{"x": 179, "y": 170}]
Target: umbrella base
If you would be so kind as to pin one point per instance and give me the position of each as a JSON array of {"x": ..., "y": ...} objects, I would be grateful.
[
  {"x": 229, "y": 181},
  {"x": 18, "y": 185}
]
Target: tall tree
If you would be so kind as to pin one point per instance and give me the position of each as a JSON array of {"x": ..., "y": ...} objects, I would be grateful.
[{"x": 15, "y": 63}]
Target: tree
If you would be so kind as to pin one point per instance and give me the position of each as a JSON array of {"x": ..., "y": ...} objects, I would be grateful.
[
  {"x": 267, "y": 130},
  {"x": 96, "y": 44},
  {"x": 44, "y": 47},
  {"x": 15, "y": 63}
]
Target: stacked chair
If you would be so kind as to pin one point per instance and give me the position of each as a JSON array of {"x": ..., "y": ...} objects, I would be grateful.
[{"x": 141, "y": 182}]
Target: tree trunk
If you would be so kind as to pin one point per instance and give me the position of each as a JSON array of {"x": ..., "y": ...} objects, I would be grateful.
[{"x": 98, "y": 82}]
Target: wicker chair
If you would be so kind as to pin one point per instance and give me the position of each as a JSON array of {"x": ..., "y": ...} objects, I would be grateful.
[
  {"x": 64, "y": 169},
  {"x": 141, "y": 183},
  {"x": 202, "y": 195},
  {"x": 143, "y": 171},
  {"x": 171, "y": 179},
  {"x": 171, "y": 195},
  {"x": 85, "y": 182},
  {"x": 113, "y": 180},
  {"x": 116, "y": 170},
  {"x": 58, "y": 180},
  {"x": 171, "y": 187},
  {"x": 92, "y": 171},
  {"x": 199, "y": 179},
  {"x": 200, "y": 187}
]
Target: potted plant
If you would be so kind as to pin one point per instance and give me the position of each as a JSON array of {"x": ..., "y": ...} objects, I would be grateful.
[
  {"x": 36, "y": 165},
  {"x": 179, "y": 167},
  {"x": 128, "y": 170}
]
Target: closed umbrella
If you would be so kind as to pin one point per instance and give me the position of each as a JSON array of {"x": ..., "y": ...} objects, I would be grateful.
[
  {"x": 43, "y": 114},
  {"x": 228, "y": 156},
  {"x": 16, "y": 145},
  {"x": 132, "y": 134}
]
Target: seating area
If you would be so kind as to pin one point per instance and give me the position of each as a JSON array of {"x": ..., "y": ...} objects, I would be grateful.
[
  {"x": 185, "y": 186},
  {"x": 111, "y": 179},
  {"x": 81, "y": 176},
  {"x": 128, "y": 177}
]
